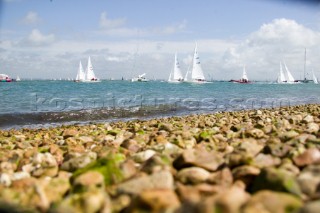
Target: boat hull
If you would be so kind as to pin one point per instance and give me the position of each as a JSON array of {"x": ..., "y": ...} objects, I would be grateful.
[
  {"x": 139, "y": 80},
  {"x": 295, "y": 82},
  {"x": 87, "y": 81},
  {"x": 199, "y": 82},
  {"x": 6, "y": 80},
  {"x": 240, "y": 82},
  {"x": 91, "y": 81}
]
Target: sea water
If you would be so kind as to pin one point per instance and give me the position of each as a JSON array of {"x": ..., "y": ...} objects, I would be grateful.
[{"x": 45, "y": 103}]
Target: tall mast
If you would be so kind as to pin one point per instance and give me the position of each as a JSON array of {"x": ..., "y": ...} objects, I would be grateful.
[{"x": 305, "y": 63}]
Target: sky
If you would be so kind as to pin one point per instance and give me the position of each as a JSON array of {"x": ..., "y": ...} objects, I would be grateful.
[{"x": 46, "y": 39}]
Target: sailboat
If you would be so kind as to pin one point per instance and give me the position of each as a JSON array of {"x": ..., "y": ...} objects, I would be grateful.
[
  {"x": 5, "y": 78},
  {"x": 285, "y": 76},
  {"x": 315, "y": 80},
  {"x": 80, "y": 75},
  {"x": 18, "y": 78},
  {"x": 197, "y": 75},
  {"x": 175, "y": 75},
  {"x": 89, "y": 75},
  {"x": 244, "y": 79},
  {"x": 141, "y": 77}
]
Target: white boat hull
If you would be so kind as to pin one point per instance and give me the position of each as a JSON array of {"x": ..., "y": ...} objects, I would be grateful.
[
  {"x": 199, "y": 82},
  {"x": 140, "y": 78},
  {"x": 288, "y": 82},
  {"x": 90, "y": 81}
]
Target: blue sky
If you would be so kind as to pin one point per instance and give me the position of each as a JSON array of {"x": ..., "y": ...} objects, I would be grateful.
[{"x": 47, "y": 39}]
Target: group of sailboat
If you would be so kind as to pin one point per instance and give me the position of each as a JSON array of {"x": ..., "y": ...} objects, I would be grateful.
[
  {"x": 285, "y": 76},
  {"x": 88, "y": 75},
  {"x": 194, "y": 76}
]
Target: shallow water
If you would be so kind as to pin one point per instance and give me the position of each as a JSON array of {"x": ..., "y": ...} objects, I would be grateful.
[{"x": 46, "y": 103}]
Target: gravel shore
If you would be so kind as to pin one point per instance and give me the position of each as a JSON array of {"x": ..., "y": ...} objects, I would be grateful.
[{"x": 265, "y": 160}]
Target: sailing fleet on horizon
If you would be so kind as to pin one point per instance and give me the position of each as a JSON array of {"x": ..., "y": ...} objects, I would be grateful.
[
  {"x": 197, "y": 76},
  {"x": 193, "y": 75}
]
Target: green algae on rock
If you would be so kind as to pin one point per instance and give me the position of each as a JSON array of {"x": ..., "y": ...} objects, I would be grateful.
[
  {"x": 277, "y": 180},
  {"x": 108, "y": 167}
]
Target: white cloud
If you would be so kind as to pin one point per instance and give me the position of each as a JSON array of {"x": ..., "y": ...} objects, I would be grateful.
[
  {"x": 36, "y": 38},
  {"x": 117, "y": 28},
  {"x": 141, "y": 33},
  {"x": 31, "y": 18},
  {"x": 284, "y": 32},
  {"x": 116, "y": 58},
  {"x": 111, "y": 23},
  {"x": 122, "y": 32}
]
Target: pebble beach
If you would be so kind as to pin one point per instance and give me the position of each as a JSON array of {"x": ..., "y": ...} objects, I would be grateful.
[{"x": 265, "y": 160}]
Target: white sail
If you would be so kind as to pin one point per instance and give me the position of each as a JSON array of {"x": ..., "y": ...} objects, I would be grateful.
[
  {"x": 90, "y": 76},
  {"x": 244, "y": 74},
  {"x": 187, "y": 74},
  {"x": 288, "y": 73},
  {"x": 196, "y": 73},
  {"x": 142, "y": 75},
  {"x": 18, "y": 78},
  {"x": 80, "y": 74},
  {"x": 281, "y": 76},
  {"x": 315, "y": 80},
  {"x": 176, "y": 75},
  {"x": 169, "y": 79}
]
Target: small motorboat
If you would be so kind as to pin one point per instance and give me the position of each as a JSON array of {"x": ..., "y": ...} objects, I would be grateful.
[{"x": 5, "y": 78}]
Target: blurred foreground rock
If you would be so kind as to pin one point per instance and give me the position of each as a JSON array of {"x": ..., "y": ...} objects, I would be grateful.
[{"x": 265, "y": 160}]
